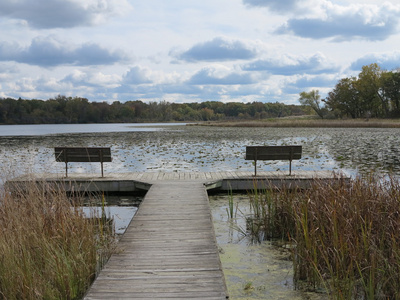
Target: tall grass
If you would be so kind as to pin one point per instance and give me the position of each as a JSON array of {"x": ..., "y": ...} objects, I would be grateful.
[
  {"x": 48, "y": 249},
  {"x": 269, "y": 218},
  {"x": 346, "y": 236}
]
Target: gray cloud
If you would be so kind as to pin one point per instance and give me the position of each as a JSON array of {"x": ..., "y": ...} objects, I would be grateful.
[
  {"x": 205, "y": 77},
  {"x": 342, "y": 24},
  {"x": 315, "y": 81},
  {"x": 306, "y": 82},
  {"x": 57, "y": 13},
  {"x": 218, "y": 49},
  {"x": 48, "y": 52},
  {"x": 282, "y": 6},
  {"x": 136, "y": 75},
  {"x": 132, "y": 92},
  {"x": 316, "y": 64},
  {"x": 387, "y": 61}
]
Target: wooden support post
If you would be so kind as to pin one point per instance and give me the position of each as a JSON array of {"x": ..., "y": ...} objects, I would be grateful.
[
  {"x": 101, "y": 162},
  {"x": 255, "y": 163},
  {"x": 290, "y": 161},
  {"x": 66, "y": 162}
]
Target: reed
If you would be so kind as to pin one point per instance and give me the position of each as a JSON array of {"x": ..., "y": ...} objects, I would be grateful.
[
  {"x": 269, "y": 218},
  {"x": 345, "y": 236},
  {"x": 230, "y": 210},
  {"x": 49, "y": 250}
]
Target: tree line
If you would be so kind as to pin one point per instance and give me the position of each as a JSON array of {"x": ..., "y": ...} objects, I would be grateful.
[
  {"x": 373, "y": 93},
  {"x": 68, "y": 110}
]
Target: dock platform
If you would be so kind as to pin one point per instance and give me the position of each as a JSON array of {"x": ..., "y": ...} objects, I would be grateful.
[{"x": 169, "y": 250}]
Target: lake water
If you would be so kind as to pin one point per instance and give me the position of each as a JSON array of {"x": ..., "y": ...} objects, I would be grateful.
[
  {"x": 180, "y": 148},
  {"x": 45, "y": 129},
  {"x": 252, "y": 270}
]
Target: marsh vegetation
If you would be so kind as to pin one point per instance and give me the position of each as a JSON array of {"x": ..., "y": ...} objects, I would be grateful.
[
  {"x": 194, "y": 148},
  {"x": 343, "y": 237},
  {"x": 49, "y": 248}
]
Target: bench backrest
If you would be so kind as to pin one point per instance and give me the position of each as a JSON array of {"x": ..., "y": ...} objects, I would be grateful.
[
  {"x": 273, "y": 152},
  {"x": 82, "y": 154}
]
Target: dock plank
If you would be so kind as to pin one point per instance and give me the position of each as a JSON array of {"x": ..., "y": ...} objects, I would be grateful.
[{"x": 169, "y": 249}]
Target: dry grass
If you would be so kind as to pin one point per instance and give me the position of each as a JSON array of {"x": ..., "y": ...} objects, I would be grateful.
[
  {"x": 309, "y": 123},
  {"x": 345, "y": 236},
  {"x": 49, "y": 250}
]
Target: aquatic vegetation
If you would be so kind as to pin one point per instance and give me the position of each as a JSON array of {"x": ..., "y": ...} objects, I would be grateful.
[
  {"x": 49, "y": 249},
  {"x": 266, "y": 268},
  {"x": 209, "y": 149},
  {"x": 344, "y": 235}
]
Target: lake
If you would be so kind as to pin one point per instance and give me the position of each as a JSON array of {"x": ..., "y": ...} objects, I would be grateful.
[{"x": 180, "y": 148}]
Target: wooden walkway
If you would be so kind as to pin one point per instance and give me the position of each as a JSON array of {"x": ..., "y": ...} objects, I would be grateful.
[{"x": 169, "y": 250}]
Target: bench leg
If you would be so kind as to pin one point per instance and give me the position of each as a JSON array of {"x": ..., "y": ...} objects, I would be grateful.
[
  {"x": 66, "y": 169},
  {"x": 290, "y": 167},
  {"x": 102, "y": 173},
  {"x": 255, "y": 168}
]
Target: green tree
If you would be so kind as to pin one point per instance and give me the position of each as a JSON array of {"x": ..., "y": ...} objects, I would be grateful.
[
  {"x": 344, "y": 99},
  {"x": 313, "y": 99},
  {"x": 369, "y": 88},
  {"x": 390, "y": 85}
]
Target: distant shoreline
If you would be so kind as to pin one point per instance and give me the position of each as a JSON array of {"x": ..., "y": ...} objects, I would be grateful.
[{"x": 312, "y": 123}]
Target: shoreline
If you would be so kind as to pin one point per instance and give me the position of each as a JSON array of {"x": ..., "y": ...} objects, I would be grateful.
[{"x": 307, "y": 123}]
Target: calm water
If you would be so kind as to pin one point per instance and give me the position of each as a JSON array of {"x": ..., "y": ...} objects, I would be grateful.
[
  {"x": 180, "y": 148},
  {"x": 45, "y": 129},
  {"x": 266, "y": 268}
]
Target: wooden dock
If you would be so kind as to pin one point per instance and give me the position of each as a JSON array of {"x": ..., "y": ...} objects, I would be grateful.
[{"x": 169, "y": 250}]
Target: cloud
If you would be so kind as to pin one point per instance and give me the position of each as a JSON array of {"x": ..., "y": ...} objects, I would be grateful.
[
  {"x": 387, "y": 61},
  {"x": 218, "y": 49},
  {"x": 370, "y": 22},
  {"x": 291, "y": 65},
  {"x": 6, "y": 72},
  {"x": 49, "y": 52},
  {"x": 307, "y": 82},
  {"x": 79, "y": 78},
  {"x": 315, "y": 82},
  {"x": 137, "y": 75},
  {"x": 219, "y": 76},
  {"x": 281, "y": 6},
  {"x": 61, "y": 13}
]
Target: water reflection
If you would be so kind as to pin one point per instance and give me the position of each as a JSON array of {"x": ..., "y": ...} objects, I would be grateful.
[
  {"x": 119, "y": 207},
  {"x": 192, "y": 148},
  {"x": 121, "y": 216},
  {"x": 46, "y": 129},
  {"x": 252, "y": 271}
]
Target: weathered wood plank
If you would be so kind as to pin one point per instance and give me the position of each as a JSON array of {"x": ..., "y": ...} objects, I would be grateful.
[{"x": 169, "y": 249}]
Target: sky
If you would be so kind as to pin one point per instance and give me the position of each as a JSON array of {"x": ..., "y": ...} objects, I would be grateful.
[{"x": 191, "y": 51}]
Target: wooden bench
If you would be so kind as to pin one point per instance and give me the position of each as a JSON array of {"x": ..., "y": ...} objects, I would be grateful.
[
  {"x": 273, "y": 153},
  {"x": 83, "y": 154}
]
